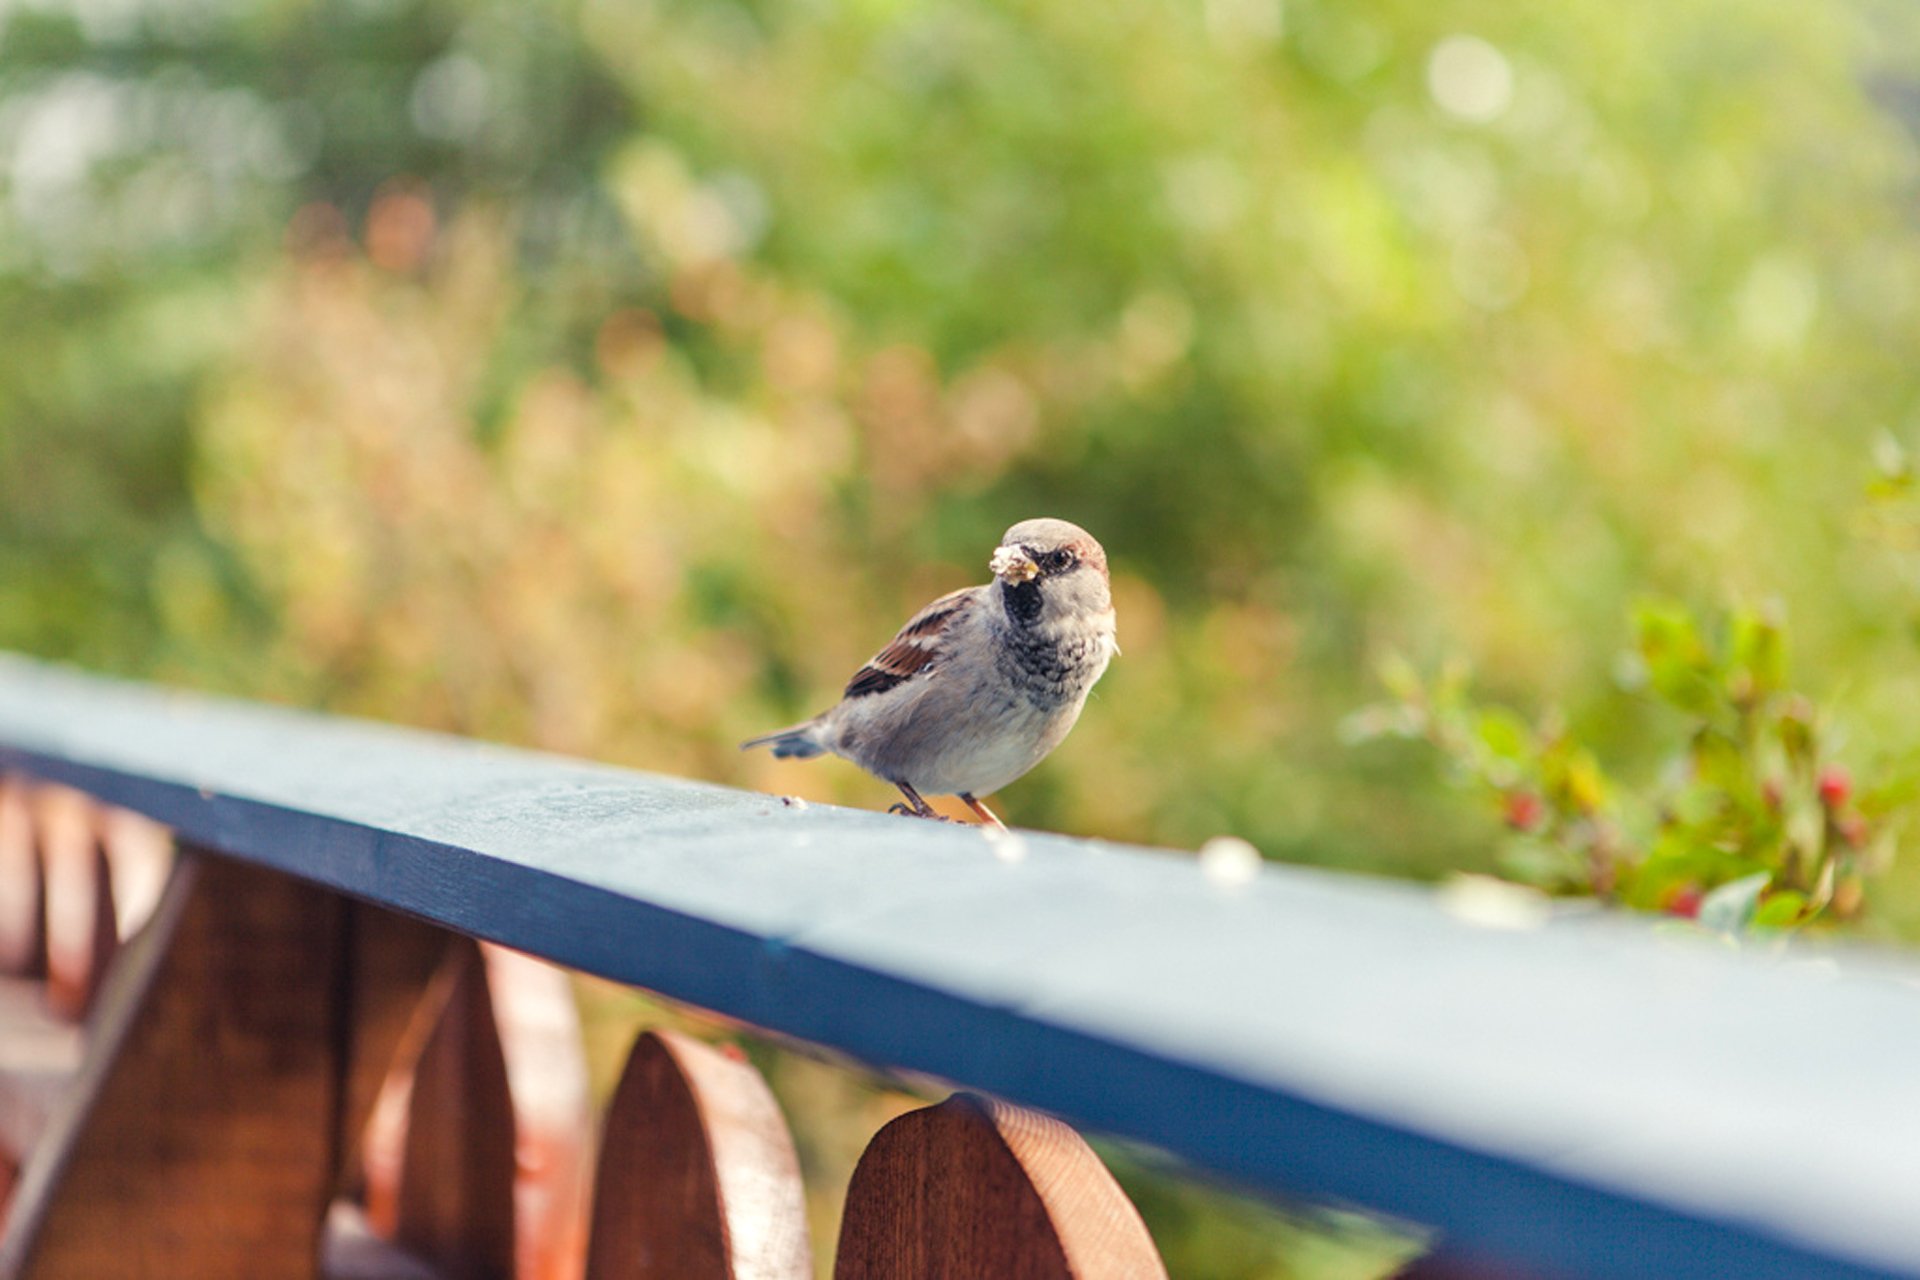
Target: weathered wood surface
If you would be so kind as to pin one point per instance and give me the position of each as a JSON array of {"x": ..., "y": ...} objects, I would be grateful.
[
  {"x": 1539, "y": 1096},
  {"x": 974, "y": 1187},
  {"x": 698, "y": 1178}
]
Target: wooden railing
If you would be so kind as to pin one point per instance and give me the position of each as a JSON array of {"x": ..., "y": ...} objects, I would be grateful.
[{"x": 293, "y": 1065}]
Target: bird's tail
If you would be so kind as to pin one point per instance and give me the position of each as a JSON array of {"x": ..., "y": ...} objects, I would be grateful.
[{"x": 799, "y": 740}]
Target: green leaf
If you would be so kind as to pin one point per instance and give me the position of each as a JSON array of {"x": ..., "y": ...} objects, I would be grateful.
[
  {"x": 1504, "y": 735},
  {"x": 1680, "y": 857},
  {"x": 1780, "y": 910},
  {"x": 1796, "y": 733},
  {"x": 1665, "y": 635},
  {"x": 1757, "y": 652},
  {"x": 1544, "y": 865},
  {"x": 1731, "y": 907},
  {"x": 1718, "y": 762},
  {"x": 1680, "y": 667}
]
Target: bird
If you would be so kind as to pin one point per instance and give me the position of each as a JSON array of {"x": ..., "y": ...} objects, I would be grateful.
[{"x": 978, "y": 687}]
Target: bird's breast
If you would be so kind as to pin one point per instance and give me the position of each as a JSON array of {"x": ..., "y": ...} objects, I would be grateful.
[{"x": 1053, "y": 671}]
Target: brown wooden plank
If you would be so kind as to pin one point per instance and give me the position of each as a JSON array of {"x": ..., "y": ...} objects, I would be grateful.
[
  {"x": 698, "y": 1179},
  {"x": 546, "y": 1059},
  {"x": 198, "y": 1137},
  {"x": 977, "y": 1187},
  {"x": 23, "y": 887},
  {"x": 392, "y": 961},
  {"x": 40, "y": 1053},
  {"x": 139, "y": 856},
  {"x": 455, "y": 1207},
  {"x": 82, "y": 930}
]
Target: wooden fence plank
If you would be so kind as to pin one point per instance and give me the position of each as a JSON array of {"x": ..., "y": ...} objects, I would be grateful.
[
  {"x": 23, "y": 887},
  {"x": 698, "y": 1179},
  {"x": 480, "y": 1098},
  {"x": 82, "y": 929},
  {"x": 40, "y": 1053},
  {"x": 198, "y": 1137},
  {"x": 977, "y": 1187},
  {"x": 392, "y": 959},
  {"x": 455, "y": 1206},
  {"x": 552, "y": 1112}
]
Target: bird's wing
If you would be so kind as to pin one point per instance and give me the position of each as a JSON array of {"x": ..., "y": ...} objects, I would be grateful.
[{"x": 917, "y": 650}]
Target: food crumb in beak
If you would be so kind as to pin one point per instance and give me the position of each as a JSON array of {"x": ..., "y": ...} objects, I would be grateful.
[{"x": 1013, "y": 564}]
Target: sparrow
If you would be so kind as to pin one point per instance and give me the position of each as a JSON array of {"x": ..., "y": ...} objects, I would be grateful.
[{"x": 981, "y": 684}]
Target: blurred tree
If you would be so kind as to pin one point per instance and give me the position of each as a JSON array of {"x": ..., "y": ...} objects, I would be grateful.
[
  {"x": 153, "y": 155},
  {"x": 1425, "y": 327},
  {"x": 614, "y": 377}
]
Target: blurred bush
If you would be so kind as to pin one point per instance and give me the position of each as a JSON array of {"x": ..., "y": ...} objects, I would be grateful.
[
  {"x": 614, "y": 377},
  {"x": 1751, "y": 827}
]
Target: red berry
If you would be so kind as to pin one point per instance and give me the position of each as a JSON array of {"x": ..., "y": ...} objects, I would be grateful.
[
  {"x": 1835, "y": 786},
  {"x": 1686, "y": 902},
  {"x": 1524, "y": 810}
]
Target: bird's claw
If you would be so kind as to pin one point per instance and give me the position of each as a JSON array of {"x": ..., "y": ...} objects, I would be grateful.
[{"x": 931, "y": 815}]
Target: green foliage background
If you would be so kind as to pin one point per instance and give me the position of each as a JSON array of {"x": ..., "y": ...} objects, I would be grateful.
[{"x": 613, "y": 377}]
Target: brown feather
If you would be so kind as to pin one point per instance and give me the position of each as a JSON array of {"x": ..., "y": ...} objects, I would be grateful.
[{"x": 914, "y": 651}]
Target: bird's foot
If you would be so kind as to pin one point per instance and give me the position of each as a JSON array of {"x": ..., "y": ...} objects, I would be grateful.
[
  {"x": 987, "y": 816},
  {"x": 927, "y": 813}
]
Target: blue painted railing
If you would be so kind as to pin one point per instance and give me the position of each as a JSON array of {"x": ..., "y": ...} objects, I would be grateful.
[{"x": 1586, "y": 1098}]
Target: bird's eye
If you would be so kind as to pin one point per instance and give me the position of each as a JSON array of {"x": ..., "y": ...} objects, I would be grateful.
[{"x": 1055, "y": 561}]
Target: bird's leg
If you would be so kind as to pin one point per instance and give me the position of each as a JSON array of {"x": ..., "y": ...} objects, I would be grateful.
[
  {"x": 987, "y": 815},
  {"x": 920, "y": 808}
]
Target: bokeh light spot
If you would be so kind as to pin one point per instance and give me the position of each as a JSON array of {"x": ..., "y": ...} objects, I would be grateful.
[{"x": 1469, "y": 78}]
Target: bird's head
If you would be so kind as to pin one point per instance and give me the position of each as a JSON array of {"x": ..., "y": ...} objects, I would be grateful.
[{"x": 1050, "y": 570}]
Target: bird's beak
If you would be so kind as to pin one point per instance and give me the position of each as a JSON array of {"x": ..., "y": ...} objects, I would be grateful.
[{"x": 1013, "y": 564}]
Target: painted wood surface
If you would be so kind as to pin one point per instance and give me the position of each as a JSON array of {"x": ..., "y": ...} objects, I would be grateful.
[{"x": 1539, "y": 1095}]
